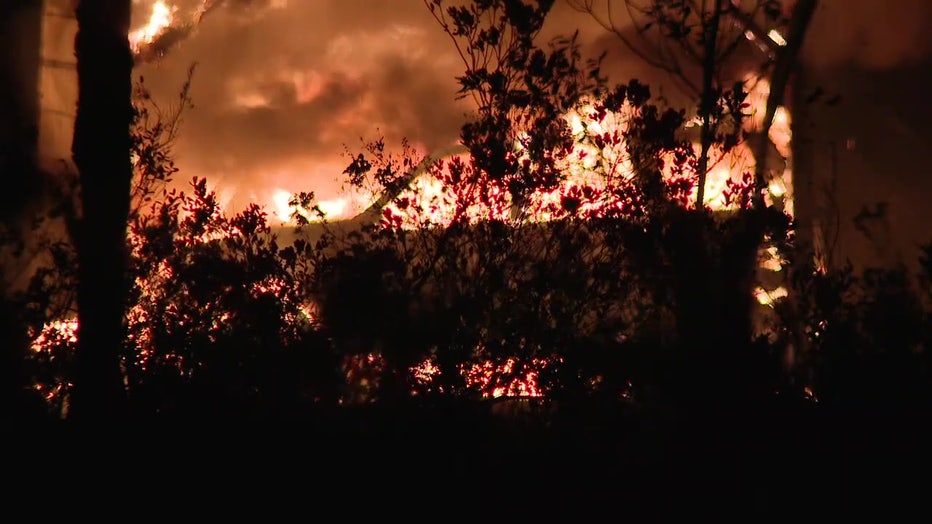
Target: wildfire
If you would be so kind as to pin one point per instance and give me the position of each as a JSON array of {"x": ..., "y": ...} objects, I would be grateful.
[
  {"x": 282, "y": 205},
  {"x": 337, "y": 208},
  {"x": 587, "y": 166},
  {"x": 58, "y": 332},
  {"x": 768, "y": 298},
  {"x": 486, "y": 377},
  {"x": 524, "y": 385},
  {"x": 595, "y": 167},
  {"x": 160, "y": 19}
]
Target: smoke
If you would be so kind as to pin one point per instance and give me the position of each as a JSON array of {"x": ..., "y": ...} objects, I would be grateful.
[
  {"x": 283, "y": 85},
  {"x": 870, "y": 34}
]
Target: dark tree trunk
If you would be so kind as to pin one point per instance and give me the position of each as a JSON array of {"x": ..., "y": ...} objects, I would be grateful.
[
  {"x": 708, "y": 100},
  {"x": 101, "y": 152}
]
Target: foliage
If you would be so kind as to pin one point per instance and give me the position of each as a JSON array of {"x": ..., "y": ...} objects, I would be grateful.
[
  {"x": 518, "y": 137},
  {"x": 575, "y": 301},
  {"x": 213, "y": 319},
  {"x": 559, "y": 258},
  {"x": 867, "y": 336}
]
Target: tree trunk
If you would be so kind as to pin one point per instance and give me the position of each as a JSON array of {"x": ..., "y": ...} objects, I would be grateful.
[
  {"x": 101, "y": 150},
  {"x": 708, "y": 100},
  {"x": 779, "y": 79}
]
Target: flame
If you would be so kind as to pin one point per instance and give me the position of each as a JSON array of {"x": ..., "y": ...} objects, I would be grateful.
[
  {"x": 483, "y": 374},
  {"x": 776, "y": 37},
  {"x": 161, "y": 18},
  {"x": 428, "y": 202},
  {"x": 280, "y": 201},
  {"x": 333, "y": 208},
  {"x": 771, "y": 259},
  {"x": 56, "y": 332},
  {"x": 768, "y": 298},
  {"x": 337, "y": 208},
  {"x": 594, "y": 167}
]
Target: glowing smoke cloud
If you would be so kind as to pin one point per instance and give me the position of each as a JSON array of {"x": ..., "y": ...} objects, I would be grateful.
[{"x": 164, "y": 29}]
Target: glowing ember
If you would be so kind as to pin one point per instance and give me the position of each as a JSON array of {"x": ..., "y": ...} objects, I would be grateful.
[
  {"x": 161, "y": 18},
  {"x": 776, "y": 188},
  {"x": 483, "y": 375},
  {"x": 776, "y": 37},
  {"x": 810, "y": 394},
  {"x": 768, "y": 298},
  {"x": 425, "y": 372},
  {"x": 56, "y": 333},
  {"x": 771, "y": 259}
]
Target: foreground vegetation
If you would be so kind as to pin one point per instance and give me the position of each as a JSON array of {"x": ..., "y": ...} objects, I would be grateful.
[{"x": 628, "y": 301}]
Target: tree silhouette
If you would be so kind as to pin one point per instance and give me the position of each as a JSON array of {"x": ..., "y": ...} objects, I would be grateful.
[
  {"x": 619, "y": 262},
  {"x": 101, "y": 151},
  {"x": 697, "y": 43},
  {"x": 559, "y": 257},
  {"x": 214, "y": 312}
]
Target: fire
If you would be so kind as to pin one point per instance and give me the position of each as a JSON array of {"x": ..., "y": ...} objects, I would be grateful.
[
  {"x": 283, "y": 209},
  {"x": 337, "y": 208},
  {"x": 427, "y": 201},
  {"x": 483, "y": 375},
  {"x": 768, "y": 298},
  {"x": 333, "y": 208},
  {"x": 486, "y": 377},
  {"x": 55, "y": 333},
  {"x": 160, "y": 19},
  {"x": 776, "y": 37}
]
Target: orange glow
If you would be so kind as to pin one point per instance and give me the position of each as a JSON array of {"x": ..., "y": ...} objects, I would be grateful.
[
  {"x": 595, "y": 168},
  {"x": 425, "y": 371},
  {"x": 482, "y": 376},
  {"x": 160, "y": 19},
  {"x": 280, "y": 201},
  {"x": 768, "y": 298},
  {"x": 56, "y": 333},
  {"x": 337, "y": 208},
  {"x": 427, "y": 202},
  {"x": 586, "y": 166},
  {"x": 776, "y": 37},
  {"x": 771, "y": 259},
  {"x": 810, "y": 394}
]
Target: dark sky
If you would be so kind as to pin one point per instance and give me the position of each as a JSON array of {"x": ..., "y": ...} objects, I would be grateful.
[{"x": 282, "y": 85}]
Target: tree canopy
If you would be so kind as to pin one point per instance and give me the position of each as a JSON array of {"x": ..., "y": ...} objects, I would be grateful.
[{"x": 561, "y": 257}]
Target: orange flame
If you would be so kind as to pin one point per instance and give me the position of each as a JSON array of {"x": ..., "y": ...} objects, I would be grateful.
[{"x": 160, "y": 19}]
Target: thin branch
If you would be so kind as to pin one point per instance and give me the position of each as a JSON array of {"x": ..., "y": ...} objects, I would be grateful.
[
  {"x": 710, "y": 38},
  {"x": 778, "y": 82}
]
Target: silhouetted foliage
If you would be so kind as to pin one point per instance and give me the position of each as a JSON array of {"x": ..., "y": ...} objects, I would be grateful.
[
  {"x": 868, "y": 337},
  {"x": 562, "y": 258},
  {"x": 214, "y": 321}
]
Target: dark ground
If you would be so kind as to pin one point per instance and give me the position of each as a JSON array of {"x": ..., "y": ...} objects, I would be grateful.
[{"x": 461, "y": 459}]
